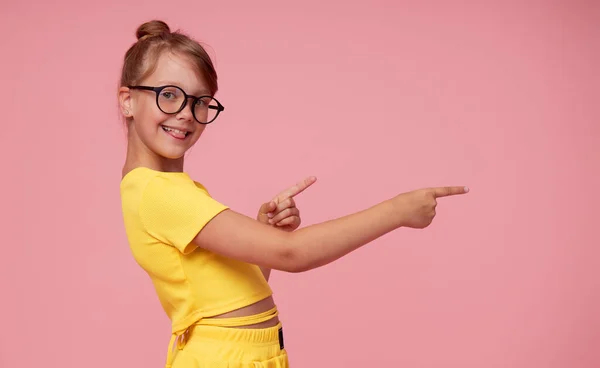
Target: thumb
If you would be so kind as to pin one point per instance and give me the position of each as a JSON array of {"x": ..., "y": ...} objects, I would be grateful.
[{"x": 265, "y": 209}]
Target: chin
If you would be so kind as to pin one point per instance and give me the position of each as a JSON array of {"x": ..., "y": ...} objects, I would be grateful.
[
  {"x": 172, "y": 155},
  {"x": 170, "y": 152}
]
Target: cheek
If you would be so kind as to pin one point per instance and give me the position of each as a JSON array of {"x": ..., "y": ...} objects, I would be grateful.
[
  {"x": 198, "y": 133},
  {"x": 149, "y": 118}
]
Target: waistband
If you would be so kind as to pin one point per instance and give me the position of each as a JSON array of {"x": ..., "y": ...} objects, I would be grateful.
[
  {"x": 215, "y": 325},
  {"x": 237, "y": 336}
]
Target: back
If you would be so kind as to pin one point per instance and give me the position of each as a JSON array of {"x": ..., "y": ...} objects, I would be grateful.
[{"x": 163, "y": 212}]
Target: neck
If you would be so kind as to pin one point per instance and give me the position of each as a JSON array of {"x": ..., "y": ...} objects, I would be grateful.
[{"x": 139, "y": 155}]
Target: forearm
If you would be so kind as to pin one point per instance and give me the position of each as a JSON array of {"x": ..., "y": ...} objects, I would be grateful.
[{"x": 320, "y": 244}]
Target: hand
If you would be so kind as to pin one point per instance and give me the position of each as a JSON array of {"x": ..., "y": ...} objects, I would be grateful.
[
  {"x": 281, "y": 212},
  {"x": 418, "y": 207}
]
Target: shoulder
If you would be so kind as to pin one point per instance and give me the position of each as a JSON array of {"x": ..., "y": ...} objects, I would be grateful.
[
  {"x": 170, "y": 207},
  {"x": 150, "y": 191},
  {"x": 146, "y": 188},
  {"x": 142, "y": 179}
]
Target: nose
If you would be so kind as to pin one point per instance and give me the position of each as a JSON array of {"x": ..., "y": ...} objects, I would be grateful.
[{"x": 186, "y": 112}]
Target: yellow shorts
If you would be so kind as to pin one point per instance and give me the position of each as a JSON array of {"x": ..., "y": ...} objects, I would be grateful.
[{"x": 230, "y": 347}]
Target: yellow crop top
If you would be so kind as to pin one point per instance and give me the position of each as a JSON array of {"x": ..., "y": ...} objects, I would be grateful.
[{"x": 163, "y": 212}]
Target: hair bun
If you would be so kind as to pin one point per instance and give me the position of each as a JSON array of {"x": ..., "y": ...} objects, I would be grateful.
[{"x": 151, "y": 29}]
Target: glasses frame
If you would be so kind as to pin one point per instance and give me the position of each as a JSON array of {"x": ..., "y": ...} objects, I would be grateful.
[{"x": 158, "y": 90}]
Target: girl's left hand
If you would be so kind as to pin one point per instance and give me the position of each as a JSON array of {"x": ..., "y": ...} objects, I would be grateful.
[{"x": 281, "y": 212}]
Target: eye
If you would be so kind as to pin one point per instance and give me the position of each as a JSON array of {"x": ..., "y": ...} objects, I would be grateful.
[
  {"x": 203, "y": 102},
  {"x": 167, "y": 94},
  {"x": 171, "y": 93}
]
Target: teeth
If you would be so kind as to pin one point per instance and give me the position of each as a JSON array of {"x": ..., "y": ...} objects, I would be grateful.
[{"x": 174, "y": 130}]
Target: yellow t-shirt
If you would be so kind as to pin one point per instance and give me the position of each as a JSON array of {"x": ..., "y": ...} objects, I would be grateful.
[{"x": 163, "y": 212}]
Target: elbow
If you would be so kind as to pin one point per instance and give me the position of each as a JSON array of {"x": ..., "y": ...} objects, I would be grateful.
[
  {"x": 294, "y": 260},
  {"x": 298, "y": 267}
]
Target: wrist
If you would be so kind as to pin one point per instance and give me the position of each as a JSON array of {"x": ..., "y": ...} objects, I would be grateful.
[{"x": 398, "y": 207}]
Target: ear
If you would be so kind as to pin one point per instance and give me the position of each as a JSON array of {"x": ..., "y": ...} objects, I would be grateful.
[{"x": 125, "y": 102}]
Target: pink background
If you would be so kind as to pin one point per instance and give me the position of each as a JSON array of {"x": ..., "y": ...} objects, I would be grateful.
[{"x": 374, "y": 99}]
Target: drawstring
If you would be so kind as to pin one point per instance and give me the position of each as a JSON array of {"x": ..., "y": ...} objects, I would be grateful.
[
  {"x": 170, "y": 352},
  {"x": 179, "y": 338}
]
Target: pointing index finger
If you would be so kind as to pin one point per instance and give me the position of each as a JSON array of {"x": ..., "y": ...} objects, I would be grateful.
[
  {"x": 296, "y": 189},
  {"x": 449, "y": 191}
]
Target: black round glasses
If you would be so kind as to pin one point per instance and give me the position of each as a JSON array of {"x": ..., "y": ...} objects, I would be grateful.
[{"x": 172, "y": 99}]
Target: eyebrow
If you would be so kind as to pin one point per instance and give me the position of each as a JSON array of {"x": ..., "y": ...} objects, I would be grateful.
[{"x": 201, "y": 92}]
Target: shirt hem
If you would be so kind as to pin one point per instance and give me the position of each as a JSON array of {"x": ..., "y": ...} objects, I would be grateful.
[{"x": 198, "y": 314}]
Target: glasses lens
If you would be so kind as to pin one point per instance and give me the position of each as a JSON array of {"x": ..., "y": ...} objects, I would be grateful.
[
  {"x": 170, "y": 99},
  {"x": 206, "y": 109}
]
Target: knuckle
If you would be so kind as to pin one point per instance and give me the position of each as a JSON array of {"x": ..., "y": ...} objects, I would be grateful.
[{"x": 284, "y": 214}]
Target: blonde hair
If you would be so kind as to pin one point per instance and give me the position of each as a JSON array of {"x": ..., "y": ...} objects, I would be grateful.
[{"x": 154, "y": 38}]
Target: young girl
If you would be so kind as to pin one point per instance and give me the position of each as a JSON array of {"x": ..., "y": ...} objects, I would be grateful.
[{"x": 209, "y": 264}]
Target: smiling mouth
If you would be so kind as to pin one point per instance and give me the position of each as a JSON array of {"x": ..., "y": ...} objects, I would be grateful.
[{"x": 175, "y": 133}]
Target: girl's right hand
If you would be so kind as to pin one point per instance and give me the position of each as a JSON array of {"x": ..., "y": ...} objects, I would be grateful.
[{"x": 418, "y": 207}]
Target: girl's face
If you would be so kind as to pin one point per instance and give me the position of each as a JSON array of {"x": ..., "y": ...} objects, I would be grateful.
[{"x": 168, "y": 136}]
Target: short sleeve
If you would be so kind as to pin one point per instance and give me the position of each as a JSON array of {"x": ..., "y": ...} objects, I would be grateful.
[{"x": 174, "y": 210}]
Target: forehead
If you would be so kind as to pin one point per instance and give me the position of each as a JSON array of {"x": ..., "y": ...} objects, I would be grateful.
[{"x": 178, "y": 70}]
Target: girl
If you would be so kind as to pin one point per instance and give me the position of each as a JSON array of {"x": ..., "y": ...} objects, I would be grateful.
[{"x": 209, "y": 264}]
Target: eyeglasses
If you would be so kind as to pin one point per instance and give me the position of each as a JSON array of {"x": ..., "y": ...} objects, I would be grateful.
[{"x": 172, "y": 99}]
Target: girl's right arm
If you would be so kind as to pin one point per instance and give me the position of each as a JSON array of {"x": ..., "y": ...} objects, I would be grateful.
[{"x": 239, "y": 237}]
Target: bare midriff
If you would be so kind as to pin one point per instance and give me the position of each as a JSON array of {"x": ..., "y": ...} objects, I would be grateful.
[{"x": 252, "y": 309}]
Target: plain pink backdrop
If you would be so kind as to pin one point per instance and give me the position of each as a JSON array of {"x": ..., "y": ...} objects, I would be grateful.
[{"x": 372, "y": 98}]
